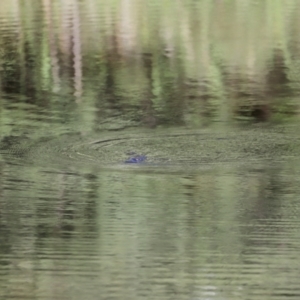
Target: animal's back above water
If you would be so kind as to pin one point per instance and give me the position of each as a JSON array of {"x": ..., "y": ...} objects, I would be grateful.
[{"x": 136, "y": 159}]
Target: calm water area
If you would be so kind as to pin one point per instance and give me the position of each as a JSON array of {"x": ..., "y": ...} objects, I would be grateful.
[{"x": 207, "y": 93}]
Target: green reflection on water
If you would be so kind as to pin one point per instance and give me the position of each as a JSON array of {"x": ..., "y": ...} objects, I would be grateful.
[
  {"x": 231, "y": 233},
  {"x": 213, "y": 214},
  {"x": 138, "y": 64}
]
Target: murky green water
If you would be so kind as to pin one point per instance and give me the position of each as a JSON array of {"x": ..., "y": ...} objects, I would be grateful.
[{"x": 208, "y": 91}]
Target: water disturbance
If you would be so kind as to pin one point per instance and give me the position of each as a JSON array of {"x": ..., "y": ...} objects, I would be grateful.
[{"x": 163, "y": 148}]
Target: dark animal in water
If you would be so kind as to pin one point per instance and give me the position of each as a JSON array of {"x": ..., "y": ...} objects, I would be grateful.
[{"x": 136, "y": 159}]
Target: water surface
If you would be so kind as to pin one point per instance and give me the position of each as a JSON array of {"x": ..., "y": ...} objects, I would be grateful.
[{"x": 208, "y": 91}]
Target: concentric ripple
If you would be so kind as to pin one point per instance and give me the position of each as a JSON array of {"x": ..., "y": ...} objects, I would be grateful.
[{"x": 187, "y": 148}]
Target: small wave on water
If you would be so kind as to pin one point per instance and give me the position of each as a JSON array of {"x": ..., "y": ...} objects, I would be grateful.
[{"x": 163, "y": 148}]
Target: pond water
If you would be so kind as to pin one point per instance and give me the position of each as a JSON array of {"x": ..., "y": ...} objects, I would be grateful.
[{"x": 208, "y": 92}]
